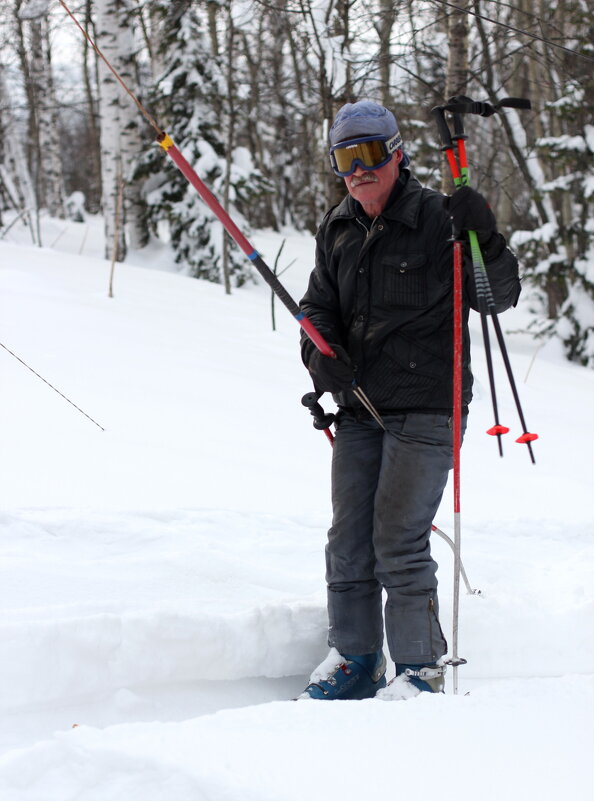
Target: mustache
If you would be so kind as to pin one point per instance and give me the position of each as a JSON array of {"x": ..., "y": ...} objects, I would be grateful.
[{"x": 368, "y": 178}]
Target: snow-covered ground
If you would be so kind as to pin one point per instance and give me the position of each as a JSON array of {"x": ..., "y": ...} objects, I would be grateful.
[{"x": 161, "y": 581}]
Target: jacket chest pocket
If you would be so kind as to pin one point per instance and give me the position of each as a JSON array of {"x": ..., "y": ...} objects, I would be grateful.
[{"x": 404, "y": 281}]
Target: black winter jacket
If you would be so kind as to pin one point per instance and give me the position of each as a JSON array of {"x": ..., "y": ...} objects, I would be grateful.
[{"x": 383, "y": 290}]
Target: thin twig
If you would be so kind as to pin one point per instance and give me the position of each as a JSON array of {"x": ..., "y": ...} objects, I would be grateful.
[{"x": 61, "y": 394}]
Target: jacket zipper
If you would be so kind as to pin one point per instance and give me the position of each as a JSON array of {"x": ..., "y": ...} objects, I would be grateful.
[
  {"x": 368, "y": 231},
  {"x": 358, "y": 368}
]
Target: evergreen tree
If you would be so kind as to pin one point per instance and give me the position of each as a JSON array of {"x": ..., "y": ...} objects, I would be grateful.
[
  {"x": 187, "y": 96},
  {"x": 558, "y": 252},
  {"x": 559, "y": 256}
]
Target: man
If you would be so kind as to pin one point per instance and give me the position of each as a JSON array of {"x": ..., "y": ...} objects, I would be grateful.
[{"x": 381, "y": 294}]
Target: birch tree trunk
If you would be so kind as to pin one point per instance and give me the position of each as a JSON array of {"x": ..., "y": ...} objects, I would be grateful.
[
  {"x": 33, "y": 44},
  {"x": 231, "y": 119},
  {"x": 325, "y": 89},
  {"x": 457, "y": 67},
  {"x": 131, "y": 139},
  {"x": 31, "y": 145},
  {"x": 384, "y": 26},
  {"x": 14, "y": 173},
  {"x": 120, "y": 131},
  {"x": 107, "y": 31},
  {"x": 50, "y": 162},
  {"x": 89, "y": 68}
]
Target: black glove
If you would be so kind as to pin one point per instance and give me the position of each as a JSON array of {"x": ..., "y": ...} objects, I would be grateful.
[
  {"x": 331, "y": 375},
  {"x": 470, "y": 212}
]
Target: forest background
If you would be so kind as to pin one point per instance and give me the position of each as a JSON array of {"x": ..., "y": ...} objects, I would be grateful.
[{"x": 248, "y": 89}]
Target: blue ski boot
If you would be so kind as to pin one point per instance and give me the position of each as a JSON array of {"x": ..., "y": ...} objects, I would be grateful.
[
  {"x": 412, "y": 680},
  {"x": 346, "y": 677}
]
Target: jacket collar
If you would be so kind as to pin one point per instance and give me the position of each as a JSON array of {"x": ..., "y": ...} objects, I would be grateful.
[{"x": 405, "y": 208}]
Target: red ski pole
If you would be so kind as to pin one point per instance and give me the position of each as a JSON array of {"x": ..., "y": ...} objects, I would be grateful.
[
  {"x": 189, "y": 173},
  {"x": 213, "y": 204},
  {"x": 455, "y": 661}
]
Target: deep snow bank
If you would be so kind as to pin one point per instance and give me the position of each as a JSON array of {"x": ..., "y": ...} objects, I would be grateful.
[
  {"x": 142, "y": 565},
  {"x": 502, "y": 741},
  {"x": 98, "y": 602}
]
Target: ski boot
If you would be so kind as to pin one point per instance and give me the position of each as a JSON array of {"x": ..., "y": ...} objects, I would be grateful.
[
  {"x": 347, "y": 677},
  {"x": 412, "y": 680}
]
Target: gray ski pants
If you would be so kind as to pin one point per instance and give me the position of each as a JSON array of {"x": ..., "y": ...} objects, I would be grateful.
[{"x": 386, "y": 489}]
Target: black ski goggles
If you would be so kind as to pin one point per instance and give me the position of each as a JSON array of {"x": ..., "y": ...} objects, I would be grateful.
[{"x": 367, "y": 152}]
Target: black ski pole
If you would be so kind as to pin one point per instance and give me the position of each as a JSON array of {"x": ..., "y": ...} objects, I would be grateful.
[
  {"x": 463, "y": 105},
  {"x": 480, "y": 278},
  {"x": 459, "y": 177}
]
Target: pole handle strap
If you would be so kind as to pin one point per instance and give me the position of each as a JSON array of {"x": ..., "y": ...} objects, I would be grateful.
[{"x": 438, "y": 113}]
